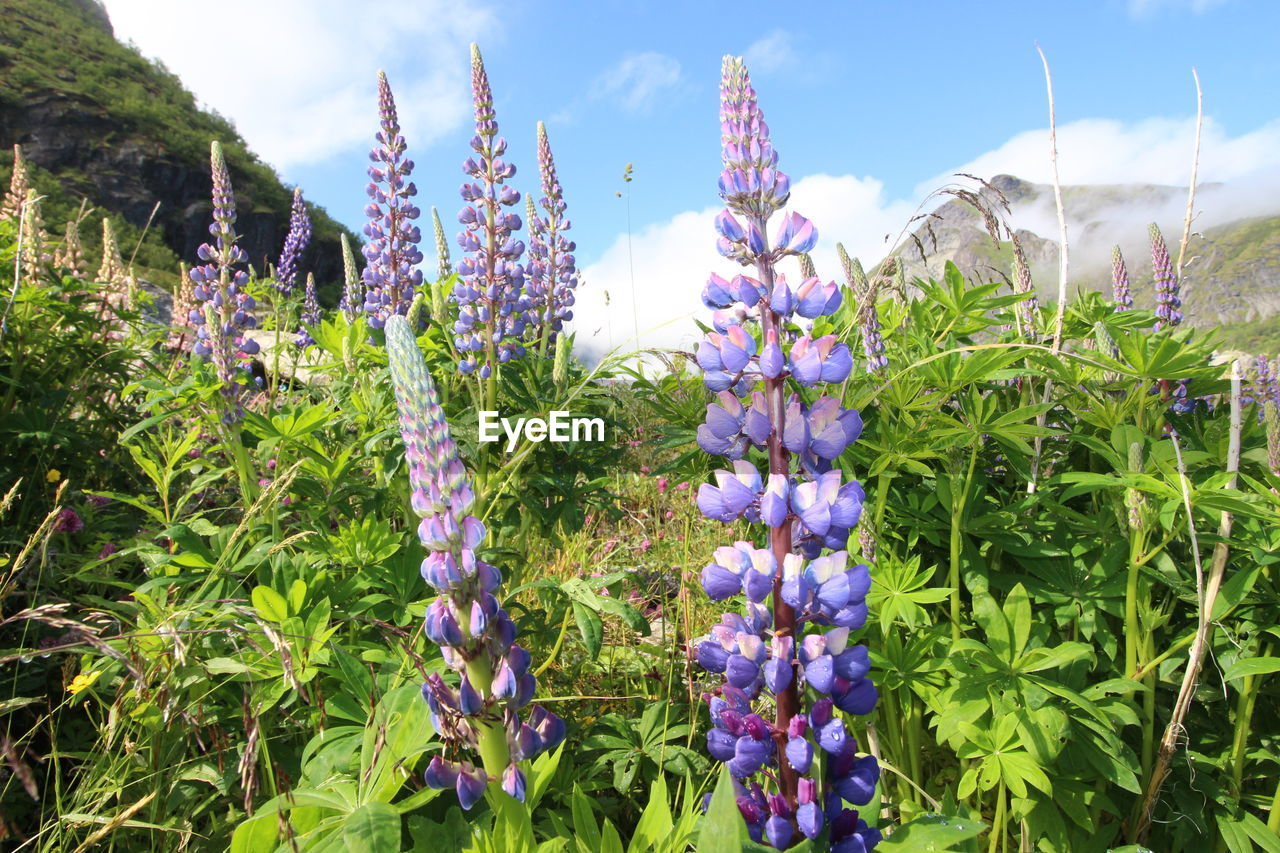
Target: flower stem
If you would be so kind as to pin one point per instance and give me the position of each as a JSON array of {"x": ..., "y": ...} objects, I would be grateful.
[{"x": 784, "y": 616}]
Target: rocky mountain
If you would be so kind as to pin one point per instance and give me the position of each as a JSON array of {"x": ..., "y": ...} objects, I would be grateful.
[
  {"x": 106, "y": 125},
  {"x": 1232, "y": 273}
]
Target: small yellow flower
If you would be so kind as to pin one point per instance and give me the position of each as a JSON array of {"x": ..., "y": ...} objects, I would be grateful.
[
  {"x": 53, "y": 476},
  {"x": 83, "y": 680}
]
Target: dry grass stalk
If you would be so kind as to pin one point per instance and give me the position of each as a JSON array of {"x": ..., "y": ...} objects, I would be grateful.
[{"x": 1199, "y": 646}]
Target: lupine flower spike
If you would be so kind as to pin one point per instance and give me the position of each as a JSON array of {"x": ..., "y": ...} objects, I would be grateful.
[
  {"x": 868, "y": 315},
  {"x": 792, "y": 640},
  {"x": 19, "y": 183},
  {"x": 36, "y": 258},
  {"x": 310, "y": 313},
  {"x": 493, "y": 309},
  {"x": 1168, "y": 303},
  {"x": 552, "y": 273},
  {"x": 111, "y": 270},
  {"x": 391, "y": 276},
  {"x": 295, "y": 243},
  {"x": 1028, "y": 309},
  {"x": 444, "y": 267},
  {"x": 481, "y": 715},
  {"x": 352, "y": 301},
  {"x": 226, "y": 314},
  {"x": 70, "y": 256},
  {"x": 1120, "y": 293},
  {"x": 184, "y": 302}
]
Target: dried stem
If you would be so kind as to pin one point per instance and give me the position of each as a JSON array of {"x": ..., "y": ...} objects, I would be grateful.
[
  {"x": 1191, "y": 191},
  {"x": 1062, "y": 216},
  {"x": 1200, "y": 646}
]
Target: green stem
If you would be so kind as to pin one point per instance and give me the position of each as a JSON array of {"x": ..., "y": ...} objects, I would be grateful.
[
  {"x": 1244, "y": 716},
  {"x": 997, "y": 826},
  {"x": 555, "y": 650},
  {"x": 1273, "y": 813},
  {"x": 958, "y": 499},
  {"x": 491, "y": 737}
]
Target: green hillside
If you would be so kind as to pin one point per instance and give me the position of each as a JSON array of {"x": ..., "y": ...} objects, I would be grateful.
[{"x": 119, "y": 130}]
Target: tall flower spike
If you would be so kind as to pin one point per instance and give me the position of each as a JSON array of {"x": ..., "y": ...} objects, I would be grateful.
[
  {"x": 1028, "y": 309},
  {"x": 552, "y": 274},
  {"x": 227, "y": 313},
  {"x": 1120, "y": 293},
  {"x": 70, "y": 255},
  {"x": 36, "y": 259},
  {"x": 184, "y": 303},
  {"x": 495, "y": 677},
  {"x": 19, "y": 183},
  {"x": 311, "y": 313},
  {"x": 791, "y": 586},
  {"x": 295, "y": 243},
  {"x": 352, "y": 301},
  {"x": 444, "y": 267},
  {"x": 493, "y": 309},
  {"x": 391, "y": 276},
  {"x": 868, "y": 317},
  {"x": 1168, "y": 302},
  {"x": 111, "y": 270}
]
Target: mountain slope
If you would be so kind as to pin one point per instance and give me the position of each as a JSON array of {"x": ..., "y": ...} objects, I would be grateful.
[
  {"x": 1232, "y": 273},
  {"x": 120, "y": 131}
]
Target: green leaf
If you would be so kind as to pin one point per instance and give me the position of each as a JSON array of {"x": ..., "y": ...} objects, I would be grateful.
[
  {"x": 372, "y": 828},
  {"x": 655, "y": 823},
  {"x": 722, "y": 830},
  {"x": 931, "y": 832},
  {"x": 1247, "y": 667},
  {"x": 590, "y": 627},
  {"x": 269, "y": 604}
]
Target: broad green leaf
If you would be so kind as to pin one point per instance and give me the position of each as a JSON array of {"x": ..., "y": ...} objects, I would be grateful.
[
  {"x": 1246, "y": 667},
  {"x": 931, "y": 832},
  {"x": 590, "y": 627},
  {"x": 269, "y": 604},
  {"x": 372, "y": 828}
]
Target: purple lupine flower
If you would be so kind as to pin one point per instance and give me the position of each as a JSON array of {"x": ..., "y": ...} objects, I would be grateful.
[
  {"x": 310, "y": 314},
  {"x": 551, "y": 275},
  {"x": 295, "y": 243},
  {"x": 1120, "y": 293},
  {"x": 1168, "y": 302},
  {"x": 493, "y": 307},
  {"x": 476, "y": 635},
  {"x": 792, "y": 640},
  {"x": 391, "y": 276},
  {"x": 226, "y": 314}
]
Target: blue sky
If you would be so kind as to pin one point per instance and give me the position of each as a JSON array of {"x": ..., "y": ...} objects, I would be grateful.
[{"x": 871, "y": 105}]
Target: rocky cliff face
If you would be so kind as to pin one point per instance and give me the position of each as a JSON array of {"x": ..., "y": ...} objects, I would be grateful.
[
  {"x": 1233, "y": 267},
  {"x": 70, "y": 122}
]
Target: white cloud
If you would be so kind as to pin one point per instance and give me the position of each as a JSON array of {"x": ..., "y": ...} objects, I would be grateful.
[
  {"x": 672, "y": 258},
  {"x": 771, "y": 53},
  {"x": 1147, "y": 8},
  {"x": 299, "y": 88},
  {"x": 635, "y": 82},
  {"x": 1105, "y": 151}
]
